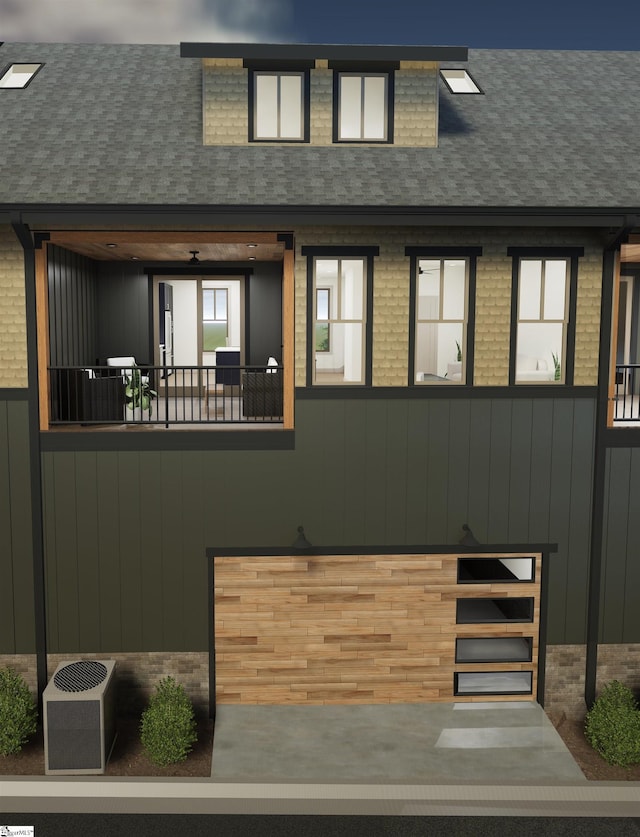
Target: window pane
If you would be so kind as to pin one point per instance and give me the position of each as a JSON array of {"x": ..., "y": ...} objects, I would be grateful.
[
  {"x": 214, "y": 335},
  {"x": 350, "y": 107},
  {"x": 454, "y": 290},
  {"x": 437, "y": 352},
  {"x": 536, "y": 346},
  {"x": 291, "y": 107},
  {"x": 322, "y": 304},
  {"x": 374, "y": 107},
  {"x": 266, "y": 126},
  {"x": 322, "y": 337},
  {"x": 429, "y": 290},
  {"x": 555, "y": 281},
  {"x": 221, "y": 304},
  {"x": 343, "y": 363},
  {"x": 352, "y": 296},
  {"x": 208, "y": 310},
  {"x": 529, "y": 292}
]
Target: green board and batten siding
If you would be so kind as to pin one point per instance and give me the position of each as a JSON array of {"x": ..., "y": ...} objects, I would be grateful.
[
  {"x": 126, "y": 532},
  {"x": 620, "y": 588},
  {"x": 17, "y": 629}
]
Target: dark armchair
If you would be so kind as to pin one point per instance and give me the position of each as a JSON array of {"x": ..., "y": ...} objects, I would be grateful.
[{"x": 262, "y": 394}]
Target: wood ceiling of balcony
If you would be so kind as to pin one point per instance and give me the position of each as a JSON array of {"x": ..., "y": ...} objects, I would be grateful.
[{"x": 171, "y": 247}]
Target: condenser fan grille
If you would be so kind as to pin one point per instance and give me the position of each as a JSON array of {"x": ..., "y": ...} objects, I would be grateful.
[{"x": 78, "y": 677}]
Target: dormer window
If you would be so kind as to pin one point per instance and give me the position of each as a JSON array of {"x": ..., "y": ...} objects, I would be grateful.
[
  {"x": 17, "y": 76},
  {"x": 459, "y": 81},
  {"x": 363, "y": 107},
  {"x": 278, "y": 107}
]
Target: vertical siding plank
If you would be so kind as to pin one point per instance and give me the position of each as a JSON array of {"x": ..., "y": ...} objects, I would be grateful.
[
  {"x": 375, "y": 491},
  {"x": 499, "y": 472},
  {"x": 458, "y": 469},
  {"x": 395, "y": 480},
  {"x": 559, "y": 510},
  {"x": 615, "y": 556},
  {"x": 131, "y": 543},
  {"x": 88, "y": 567},
  {"x": 520, "y": 468},
  {"x": 196, "y": 577},
  {"x": 21, "y": 529},
  {"x": 7, "y": 615},
  {"x": 109, "y": 560},
  {"x": 50, "y": 550},
  {"x": 438, "y": 471},
  {"x": 66, "y": 561},
  {"x": 540, "y": 475},
  {"x": 631, "y": 623},
  {"x": 579, "y": 516},
  {"x": 479, "y": 468},
  {"x": 329, "y": 480},
  {"x": 171, "y": 526},
  {"x": 355, "y": 458},
  {"x": 417, "y": 468},
  {"x": 151, "y": 606}
]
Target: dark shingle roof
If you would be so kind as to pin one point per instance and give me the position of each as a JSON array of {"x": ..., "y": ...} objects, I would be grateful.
[{"x": 121, "y": 124}]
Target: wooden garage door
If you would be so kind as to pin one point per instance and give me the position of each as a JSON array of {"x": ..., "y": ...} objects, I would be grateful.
[{"x": 320, "y": 629}]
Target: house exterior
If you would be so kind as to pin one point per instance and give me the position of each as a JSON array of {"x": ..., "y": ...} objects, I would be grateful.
[{"x": 440, "y": 250}]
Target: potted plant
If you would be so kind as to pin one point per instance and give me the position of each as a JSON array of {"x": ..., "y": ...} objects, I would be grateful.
[{"x": 138, "y": 395}]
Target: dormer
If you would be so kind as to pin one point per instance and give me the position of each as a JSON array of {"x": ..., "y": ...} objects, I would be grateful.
[{"x": 320, "y": 95}]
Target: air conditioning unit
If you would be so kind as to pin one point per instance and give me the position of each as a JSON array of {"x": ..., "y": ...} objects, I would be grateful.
[{"x": 79, "y": 717}]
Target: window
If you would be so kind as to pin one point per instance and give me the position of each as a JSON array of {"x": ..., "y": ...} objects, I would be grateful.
[
  {"x": 18, "y": 75},
  {"x": 542, "y": 319},
  {"x": 340, "y": 302},
  {"x": 459, "y": 81},
  {"x": 215, "y": 325},
  {"x": 278, "y": 111},
  {"x": 323, "y": 307},
  {"x": 441, "y": 312},
  {"x": 363, "y": 112}
]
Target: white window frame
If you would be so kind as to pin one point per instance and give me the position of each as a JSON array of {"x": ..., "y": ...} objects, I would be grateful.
[
  {"x": 441, "y": 319},
  {"x": 278, "y": 75},
  {"x": 385, "y": 120},
  {"x": 542, "y": 319},
  {"x": 336, "y": 300}
]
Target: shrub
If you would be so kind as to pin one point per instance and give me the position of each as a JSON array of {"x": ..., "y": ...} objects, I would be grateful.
[
  {"x": 18, "y": 712},
  {"x": 612, "y": 725},
  {"x": 168, "y": 726}
]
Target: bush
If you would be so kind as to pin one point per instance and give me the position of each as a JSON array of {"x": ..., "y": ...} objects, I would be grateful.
[
  {"x": 168, "y": 725},
  {"x": 18, "y": 712},
  {"x": 612, "y": 726}
]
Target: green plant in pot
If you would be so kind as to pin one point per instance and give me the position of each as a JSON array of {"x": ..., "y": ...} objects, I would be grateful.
[
  {"x": 556, "y": 365},
  {"x": 138, "y": 393}
]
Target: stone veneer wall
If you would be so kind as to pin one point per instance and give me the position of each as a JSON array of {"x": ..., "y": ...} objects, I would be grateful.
[
  {"x": 13, "y": 324},
  {"x": 493, "y": 295},
  {"x": 565, "y": 670},
  {"x": 137, "y": 674}
]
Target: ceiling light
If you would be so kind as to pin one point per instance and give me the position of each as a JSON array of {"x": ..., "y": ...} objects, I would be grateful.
[
  {"x": 194, "y": 257},
  {"x": 135, "y": 259},
  {"x": 112, "y": 245},
  {"x": 252, "y": 245},
  {"x": 252, "y": 258}
]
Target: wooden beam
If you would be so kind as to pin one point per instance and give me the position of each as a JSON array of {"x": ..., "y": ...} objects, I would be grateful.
[{"x": 42, "y": 318}]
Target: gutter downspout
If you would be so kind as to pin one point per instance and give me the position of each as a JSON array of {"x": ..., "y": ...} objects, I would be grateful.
[
  {"x": 25, "y": 238},
  {"x": 596, "y": 545}
]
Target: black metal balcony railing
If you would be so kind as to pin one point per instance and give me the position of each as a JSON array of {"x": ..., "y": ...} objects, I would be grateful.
[
  {"x": 160, "y": 396},
  {"x": 627, "y": 393}
]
